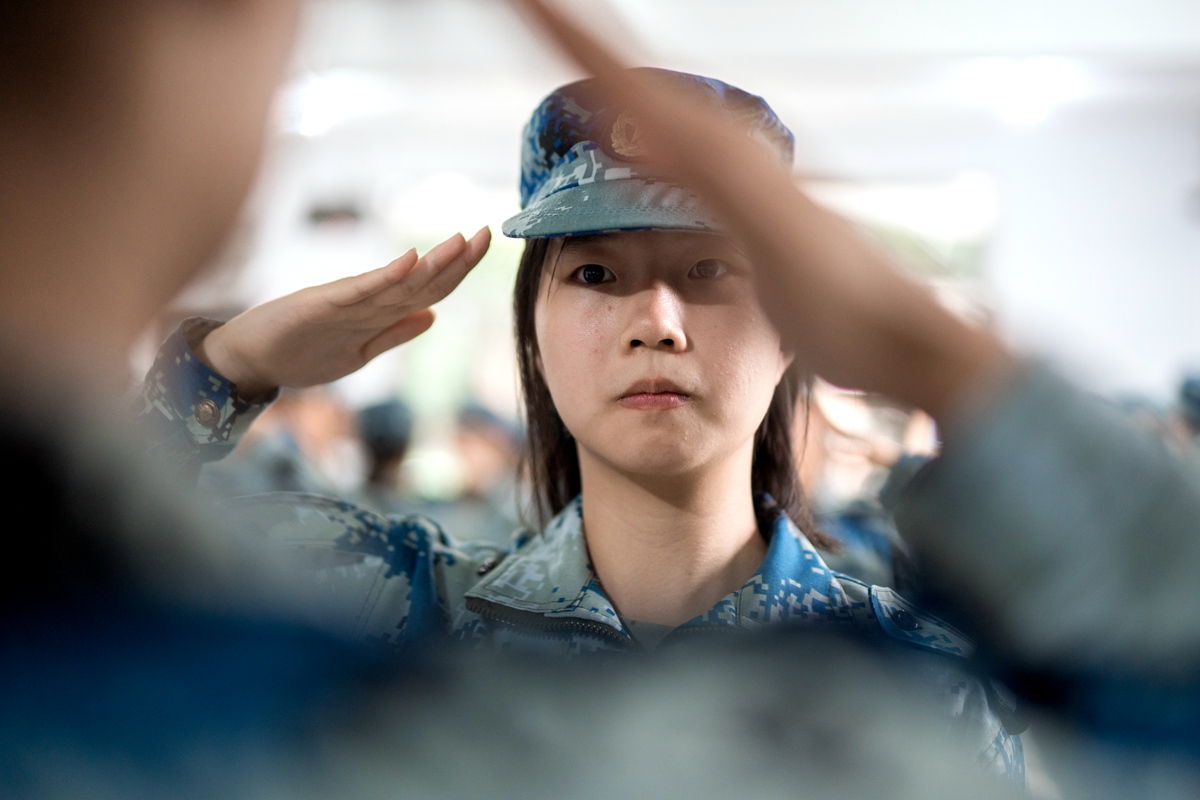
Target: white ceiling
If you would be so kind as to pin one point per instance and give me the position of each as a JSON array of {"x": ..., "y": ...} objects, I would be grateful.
[
  {"x": 453, "y": 80},
  {"x": 404, "y": 33}
]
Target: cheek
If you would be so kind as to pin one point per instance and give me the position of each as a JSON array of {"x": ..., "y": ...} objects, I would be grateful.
[
  {"x": 575, "y": 338},
  {"x": 742, "y": 358}
]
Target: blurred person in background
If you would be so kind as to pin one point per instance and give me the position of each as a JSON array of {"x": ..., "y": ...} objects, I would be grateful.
[
  {"x": 862, "y": 522},
  {"x": 487, "y": 508},
  {"x": 385, "y": 430},
  {"x": 490, "y": 448},
  {"x": 304, "y": 442},
  {"x": 659, "y": 405}
]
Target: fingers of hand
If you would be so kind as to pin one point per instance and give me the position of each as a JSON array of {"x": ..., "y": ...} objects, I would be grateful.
[
  {"x": 398, "y": 333},
  {"x": 425, "y": 268},
  {"x": 437, "y": 259},
  {"x": 452, "y": 272},
  {"x": 441, "y": 270},
  {"x": 480, "y": 242},
  {"x": 358, "y": 288},
  {"x": 407, "y": 274}
]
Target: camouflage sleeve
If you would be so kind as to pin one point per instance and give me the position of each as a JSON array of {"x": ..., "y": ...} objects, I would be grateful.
[
  {"x": 979, "y": 712},
  {"x": 982, "y": 713},
  {"x": 396, "y": 582},
  {"x": 1070, "y": 540},
  {"x": 976, "y": 718},
  {"x": 188, "y": 413}
]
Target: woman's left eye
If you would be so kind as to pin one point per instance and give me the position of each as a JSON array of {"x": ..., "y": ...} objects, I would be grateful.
[{"x": 708, "y": 268}]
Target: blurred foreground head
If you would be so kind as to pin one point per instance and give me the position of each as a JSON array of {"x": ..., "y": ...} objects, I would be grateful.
[{"x": 130, "y": 131}]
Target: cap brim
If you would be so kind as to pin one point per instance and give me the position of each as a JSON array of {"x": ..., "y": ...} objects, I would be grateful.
[{"x": 606, "y": 206}]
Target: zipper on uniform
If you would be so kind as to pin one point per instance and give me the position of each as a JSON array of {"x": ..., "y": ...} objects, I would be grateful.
[{"x": 529, "y": 619}]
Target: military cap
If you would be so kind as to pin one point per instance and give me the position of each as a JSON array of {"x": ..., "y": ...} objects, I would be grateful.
[{"x": 584, "y": 169}]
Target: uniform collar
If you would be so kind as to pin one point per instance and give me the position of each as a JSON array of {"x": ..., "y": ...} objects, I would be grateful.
[{"x": 551, "y": 575}]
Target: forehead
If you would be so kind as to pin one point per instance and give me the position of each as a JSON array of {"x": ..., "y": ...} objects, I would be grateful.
[{"x": 650, "y": 245}]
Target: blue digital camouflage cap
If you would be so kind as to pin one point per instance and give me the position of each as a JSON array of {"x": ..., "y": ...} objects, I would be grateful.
[{"x": 583, "y": 170}]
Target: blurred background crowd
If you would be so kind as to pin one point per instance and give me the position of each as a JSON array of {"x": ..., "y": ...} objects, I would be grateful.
[{"x": 1037, "y": 163}]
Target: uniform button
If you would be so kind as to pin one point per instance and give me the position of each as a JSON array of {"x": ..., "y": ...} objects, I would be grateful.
[
  {"x": 904, "y": 620},
  {"x": 486, "y": 566},
  {"x": 207, "y": 414}
]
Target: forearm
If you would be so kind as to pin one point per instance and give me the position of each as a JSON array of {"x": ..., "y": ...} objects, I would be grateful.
[
  {"x": 848, "y": 313},
  {"x": 1074, "y": 536},
  {"x": 1070, "y": 537}
]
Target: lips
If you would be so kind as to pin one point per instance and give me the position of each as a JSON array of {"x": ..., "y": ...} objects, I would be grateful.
[{"x": 656, "y": 394}]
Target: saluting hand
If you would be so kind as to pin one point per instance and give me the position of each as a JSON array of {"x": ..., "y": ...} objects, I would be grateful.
[{"x": 323, "y": 333}]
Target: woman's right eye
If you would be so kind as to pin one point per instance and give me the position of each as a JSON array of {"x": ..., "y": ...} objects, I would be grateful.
[{"x": 593, "y": 274}]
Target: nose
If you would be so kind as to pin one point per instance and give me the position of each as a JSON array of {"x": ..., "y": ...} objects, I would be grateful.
[{"x": 657, "y": 322}]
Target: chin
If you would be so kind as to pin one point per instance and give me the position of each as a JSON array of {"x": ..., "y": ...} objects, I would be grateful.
[{"x": 655, "y": 456}]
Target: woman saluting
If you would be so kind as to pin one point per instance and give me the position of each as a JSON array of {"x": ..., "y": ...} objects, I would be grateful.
[{"x": 659, "y": 401}]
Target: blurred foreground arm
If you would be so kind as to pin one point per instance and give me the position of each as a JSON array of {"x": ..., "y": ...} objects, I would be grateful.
[
  {"x": 1071, "y": 540},
  {"x": 1047, "y": 512},
  {"x": 852, "y": 317},
  {"x": 210, "y": 380}
]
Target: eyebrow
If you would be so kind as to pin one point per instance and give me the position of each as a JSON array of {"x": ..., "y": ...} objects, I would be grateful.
[{"x": 573, "y": 242}]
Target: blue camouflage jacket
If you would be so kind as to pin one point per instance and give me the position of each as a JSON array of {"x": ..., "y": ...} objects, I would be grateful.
[{"x": 403, "y": 582}]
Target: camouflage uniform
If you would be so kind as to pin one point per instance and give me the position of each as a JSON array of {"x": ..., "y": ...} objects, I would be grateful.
[{"x": 403, "y": 583}]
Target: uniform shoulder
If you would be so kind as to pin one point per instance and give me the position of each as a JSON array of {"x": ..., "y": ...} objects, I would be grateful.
[
  {"x": 315, "y": 522},
  {"x": 394, "y": 580},
  {"x": 904, "y": 621},
  {"x": 983, "y": 707}
]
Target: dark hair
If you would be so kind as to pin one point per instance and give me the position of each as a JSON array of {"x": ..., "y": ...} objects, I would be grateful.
[
  {"x": 551, "y": 462},
  {"x": 60, "y": 54}
]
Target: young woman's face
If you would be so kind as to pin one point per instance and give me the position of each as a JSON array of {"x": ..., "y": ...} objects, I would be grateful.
[{"x": 655, "y": 349}]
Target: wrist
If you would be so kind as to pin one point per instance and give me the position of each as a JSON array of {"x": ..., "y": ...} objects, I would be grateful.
[{"x": 214, "y": 348}]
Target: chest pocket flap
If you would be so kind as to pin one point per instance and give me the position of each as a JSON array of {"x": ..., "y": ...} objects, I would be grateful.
[{"x": 902, "y": 620}]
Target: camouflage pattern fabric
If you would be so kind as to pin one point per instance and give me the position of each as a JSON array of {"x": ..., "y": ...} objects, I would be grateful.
[
  {"x": 403, "y": 582},
  {"x": 191, "y": 414}
]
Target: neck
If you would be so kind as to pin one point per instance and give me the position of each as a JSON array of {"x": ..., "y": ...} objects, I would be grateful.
[{"x": 668, "y": 549}]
